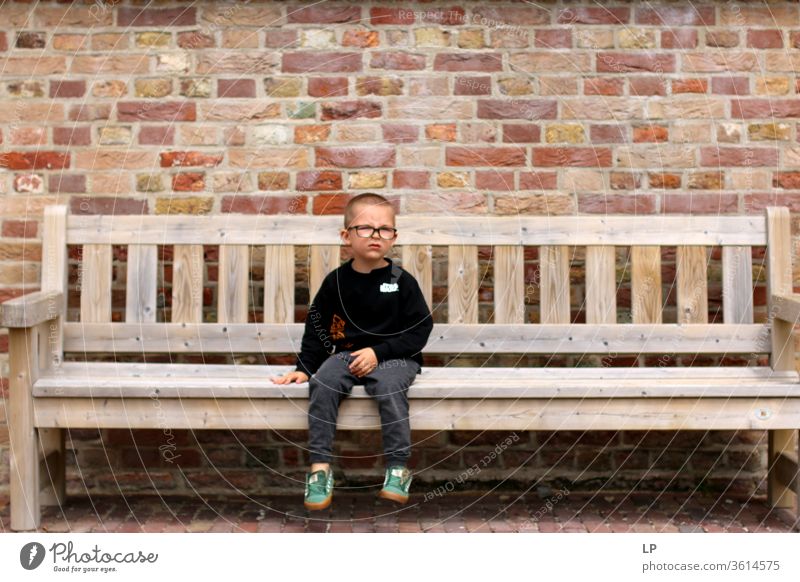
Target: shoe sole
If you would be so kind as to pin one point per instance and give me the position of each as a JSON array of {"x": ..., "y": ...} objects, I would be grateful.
[
  {"x": 320, "y": 505},
  {"x": 391, "y": 496}
]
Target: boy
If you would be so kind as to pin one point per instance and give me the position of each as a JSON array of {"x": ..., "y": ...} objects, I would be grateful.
[{"x": 367, "y": 325}]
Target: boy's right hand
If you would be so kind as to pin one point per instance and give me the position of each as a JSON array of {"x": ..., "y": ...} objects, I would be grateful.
[{"x": 289, "y": 377}]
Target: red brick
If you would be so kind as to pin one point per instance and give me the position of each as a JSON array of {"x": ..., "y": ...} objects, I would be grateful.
[
  {"x": 612, "y": 62},
  {"x": 650, "y": 133},
  {"x": 156, "y": 111},
  {"x": 514, "y": 16},
  {"x": 236, "y": 88},
  {"x": 38, "y": 160},
  {"x": 321, "y": 62},
  {"x": 689, "y": 86},
  {"x": 664, "y": 180},
  {"x": 264, "y": 204},
  {"x": 397, "y": 61},
  {"x": 617, "y": 203},
  {"x": 572, "y": 156},
  {"x": 794, "y": 39},
  {"x": 385, "y": 16},
  {"x": 593, "y": 15},
  {"x": 738, "y": 156},
  {"x": 411, "y": 179},
  {"x": 608, "y": 134},
  {"x": 468, "y": 61},
  {"x": 485, "y": 156},
  {"x": 3, "y": 42},
  {"x": 472, "y": 86},
  {"x": 67, "y": 89},
  {"x": 553, "y": 38},
  {"x": 517, "y": 109},
  {"x": 311, "y": 180},
  {"x": 311, "y": 133},
  {"x": 521, "y": 133},
  {"x": 696, "y": 203},
  {"x": 400, "y": 133},
  {"x": 624, "y": 181},
  {"x": 189, "y": 182},
  {"x": 176, "y": 159},
  {"x": 339, "y": 110},
  {"x": 603, "y": 86},
  {"x": 679, "y": 38},
  {"x": 689, "y": 15},
  {"x": 74, "y": 136},
  {"x": 157, "y": 135},
  {"x": 20, "y": 228},
  {"x": 538, "y": 180},
  {"x": 786, "y": 180},
  {"x": 360, "y": 38},
  {"x": 273, "y": 181},
  {"x": 282, "y": 39},
  {"x": 764, "y": 108},
  {"x": 497, "y": 181},
  {"x": 647, "y": 86},
  {"x": 327, "y": 86},
  {"x": 321, "y": 14},
  {"x": 355, "y": 157},
  {"x": 730, "y": 85},
  {"x": 106, "y": 205},
  {"x": 195, "y": 40},
  {"x": 69, "y": 183},
  {"x": 756, "y": 203},
  {"x": 183, "y": 16},
  {"x": 764, "y": 39}
]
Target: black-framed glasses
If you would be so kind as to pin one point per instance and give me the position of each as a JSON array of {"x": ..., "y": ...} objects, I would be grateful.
[{"x": 365, "y": 231}]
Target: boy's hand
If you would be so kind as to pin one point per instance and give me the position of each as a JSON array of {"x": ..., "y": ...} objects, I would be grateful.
[
  {"x": 296, "y": 376},
  {"x": 365, "y": 362}
]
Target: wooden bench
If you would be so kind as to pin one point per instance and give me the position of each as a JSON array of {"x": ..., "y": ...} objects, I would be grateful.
[{"x": 48, "y": 394}]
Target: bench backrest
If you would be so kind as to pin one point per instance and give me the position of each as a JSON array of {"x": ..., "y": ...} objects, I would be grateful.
[{"x": 532, "y": 317}]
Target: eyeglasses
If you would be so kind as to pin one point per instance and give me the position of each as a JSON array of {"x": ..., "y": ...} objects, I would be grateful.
[{"x": 364, "y": 231}]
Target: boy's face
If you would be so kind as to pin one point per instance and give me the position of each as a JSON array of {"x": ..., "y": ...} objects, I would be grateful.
[{"x": 374, "y": 247}]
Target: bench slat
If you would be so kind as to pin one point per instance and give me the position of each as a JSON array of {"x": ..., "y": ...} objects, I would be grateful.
[
  {"x": 445, "y": 338},
  {"x": 692, "y": 267},
  {"x": 509, "y": 284},
  {"x": 646, "y": 300},
  {"x": 462, "y": 284},
  {"x": 752, "y": 413},
  {"x": 418, "y": 261},
  {"x": 423, "y": 230},
  {"x": 601, "y": 284},
  {"x": 737, "y": 284},
  {"x": 279, "y": 284},
  {"x": 554, "y": 292},
  {"x": 233, "y": 291},
  {"x": 187, "y": 284},
  {"x": 95, "y": 283},
  {"x": 140, "y": 298}
]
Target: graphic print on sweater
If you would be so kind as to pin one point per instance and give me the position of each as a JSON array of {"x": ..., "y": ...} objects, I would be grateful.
[{"x": 337, "y": 327}]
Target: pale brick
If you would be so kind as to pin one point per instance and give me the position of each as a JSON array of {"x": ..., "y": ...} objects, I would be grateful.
[
  {"x": 564, "y": 133},
  {"x": 366, "y": 180}
]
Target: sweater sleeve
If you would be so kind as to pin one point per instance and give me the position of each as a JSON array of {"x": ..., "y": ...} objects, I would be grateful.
[
  {"x": 417, "y": 325},
  {"x": 313, "y": 351}
]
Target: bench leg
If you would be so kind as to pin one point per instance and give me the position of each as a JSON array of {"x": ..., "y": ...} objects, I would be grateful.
[
  {"x": 783, "y": 481},
  {"x": 23, "y": 437},
  {"x": 53, "y": 468}
]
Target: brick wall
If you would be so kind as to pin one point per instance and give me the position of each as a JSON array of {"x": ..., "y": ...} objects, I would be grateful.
[{"x": 461, "y": 108}]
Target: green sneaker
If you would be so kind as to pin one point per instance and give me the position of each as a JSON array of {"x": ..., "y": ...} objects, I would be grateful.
[
  {"x": 319, "y": 489},
  {"x": 396, "y": 484}
]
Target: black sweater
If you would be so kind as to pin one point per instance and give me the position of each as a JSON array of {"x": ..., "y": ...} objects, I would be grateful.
[{"x": 383, "y": 310}]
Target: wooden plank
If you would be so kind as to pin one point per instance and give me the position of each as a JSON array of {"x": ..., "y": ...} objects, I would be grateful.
[
  {"x": 95, "y": 283},
  {"x": 692, "y": 284},
  {"x": 646, "y": 301},
  {"x": 423, "y": 230},
  {"x": 509, "y": 284},
  {"x": 601, "y": 284},
  {"x": 233, "y": 289},
  {"x": 279, "y": 284},
  {"x": 445, "y": 338},
  {"x": 453, "y": 414},
  {"x": 324, "y": 259},
  {"x": 781, "y": 444},
  {"x": 786, "y": 307},
  {"x": 142, "y": 284},
  {"x": 187, "y": 284},
  {"x": 462, "y": 284},
  {"x": 554, "y": 287},
  {"x": 737, "y": 284},
  {"x": 779, "y": 282},
  {"x": 31, "y": 309},
  {"x": 417, "y": 260}
]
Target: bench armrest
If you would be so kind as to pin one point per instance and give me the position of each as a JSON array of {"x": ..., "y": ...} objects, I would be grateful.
[
  {"x": 31, "y": 309},
  {"x": 786, "y": 307}
]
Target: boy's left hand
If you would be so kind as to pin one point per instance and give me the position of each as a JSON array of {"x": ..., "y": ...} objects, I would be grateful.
[{"x": 365, "y": 362}]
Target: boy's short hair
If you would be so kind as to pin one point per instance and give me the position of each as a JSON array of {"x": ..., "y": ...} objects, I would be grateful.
[{"x": 367, "y": 198}]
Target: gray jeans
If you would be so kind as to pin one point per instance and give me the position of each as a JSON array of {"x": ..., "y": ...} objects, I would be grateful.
[{"x": 387, "y": 384}]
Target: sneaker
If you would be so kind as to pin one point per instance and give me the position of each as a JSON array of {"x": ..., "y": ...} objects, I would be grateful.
[
  {"x": 396, "y": 484},
  {"x": 319, "y": 489}
]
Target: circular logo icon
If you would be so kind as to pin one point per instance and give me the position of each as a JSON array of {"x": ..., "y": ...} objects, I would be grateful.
[{"x": 31, "y": 555}]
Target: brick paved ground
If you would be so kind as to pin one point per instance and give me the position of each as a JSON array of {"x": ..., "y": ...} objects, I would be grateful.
[{"x": 457, "y": 512}]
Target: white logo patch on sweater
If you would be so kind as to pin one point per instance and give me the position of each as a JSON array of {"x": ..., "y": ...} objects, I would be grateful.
[{"x": 388, "y": 287}]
